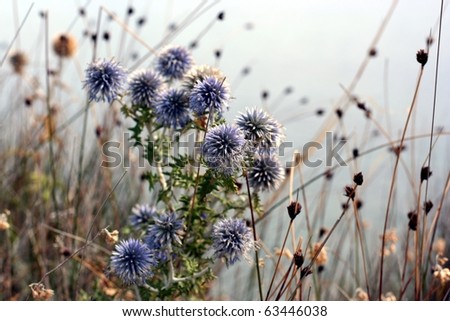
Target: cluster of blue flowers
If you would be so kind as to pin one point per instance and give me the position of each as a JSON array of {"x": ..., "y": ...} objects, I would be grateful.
[
  {"x": 180, "y": 95},
  {"x": 249, "y": 144},
  {"x": 134, "y": 261},
  {"x": 157, "y": 89}
]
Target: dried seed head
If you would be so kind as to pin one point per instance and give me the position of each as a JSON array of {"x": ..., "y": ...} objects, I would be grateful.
[
  {"x": 299, "y": 259},
  {"x": 442, "y": 275},
  {"x": 106, "y": 36},
  {"x": 412, "y": 224},
  {"x": 391, "y": 239},
  {"x": 294, "y": 209},
  {"x": 439, "y": 246},
  {"x": 265, "y": 95},
  {"x": 111, "y": 237},
  {"x": 358, "y": 178},
  {"x": 372, "y": 52},
  {"x": 427, "y": 206},
  {"x": 349, "y": 192},
  {"x": 4, "y": 225},
  {"x": 360, "y": 295},
  {"x": 18, "y": 61},
  {"x": 329, "y": 175},
  {"x": 286, "y": 252},
  {"x": 305, "y": 272},
  {"x": 422, "y": 57},
  {"x": 322, "y": 256},
  {"x": 141, "y": 21},
  {"x": 361, "y": 105},
  {"x": 425, "y": 173},
  {"x": 358, "y": 204},
  {"x": 323, "y": 231},
  {"x": 40, "y": 293},
  {"x": 65, "y": 45},
  {"x": 388, "y": 297}
]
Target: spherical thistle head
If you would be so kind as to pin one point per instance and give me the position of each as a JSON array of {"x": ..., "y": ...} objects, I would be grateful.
[
  {"x": 266, "y": 172},
  {"x": 65, "y": 45},
  {"x": 104, "y": 80},
  {"x": 132, "y": 261},
  {"x": 223, "y": 149},
  {"x": 260, "y": 128},
  {"x": 199, "y": 73},
  {"x": 168, "y": 229},
  {"x": 174, "y": 62},
  {"x": 144, "y": 87},
  {"x": 172, "y": 109},
  {"x": 232, "y": 239},
  {"x": 18, "y": 61},
  {"x": 142, "y": 215},
  {"x": 209, "y": 95}
]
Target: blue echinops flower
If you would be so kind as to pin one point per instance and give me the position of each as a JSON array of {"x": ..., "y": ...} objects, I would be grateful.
[
  {"x": 105, "y": 80},
  {"x": 232, "y": 239},
  {"x": 132, "y": 261},
  {"x": 223, "y": 149}
]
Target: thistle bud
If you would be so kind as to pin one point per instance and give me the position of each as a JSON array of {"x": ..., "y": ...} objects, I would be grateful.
[
  {"x": 358, "y": 178},
  {"x": 422, "y": 57},
  {"x": 294, "y": 209},
  {"x": 425, "y": 173}
]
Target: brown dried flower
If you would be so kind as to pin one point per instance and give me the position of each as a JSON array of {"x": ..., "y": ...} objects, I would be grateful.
[
  {"x": 40, "y": 293},
  {"x": 65, "y": 45}
]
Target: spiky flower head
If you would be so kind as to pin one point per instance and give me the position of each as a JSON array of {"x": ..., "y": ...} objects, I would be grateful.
[
  {"x": 209, "y": 95},
  {"x": 232, "y": 239},
  {"x": 260, "y": 128},
  {"x": 223, "y": 148},
  {"x": 167, "y": 229},
  {"x": 266, "y": 172},
  {"x": 172, "y": 108},
  {"x": 173, "y": 62},
  {"x": 142, "y": 215},
  {"x": 198, "y": 74},
  {"x": 144, "y": 86},
  {"x": 105, "y": 80},
  {"x": 132, "y": 261}
]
